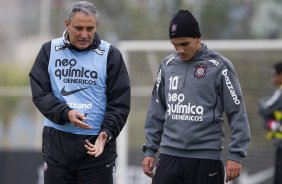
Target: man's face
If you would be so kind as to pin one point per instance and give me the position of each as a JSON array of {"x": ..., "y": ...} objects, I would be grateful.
[
  {"x": 276, "y": 79},
  {"x": 81, "y": 30},
  {"x": 186, "y": 47}
]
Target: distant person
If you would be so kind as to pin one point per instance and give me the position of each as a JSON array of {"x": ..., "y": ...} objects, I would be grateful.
[
  {"x": 193, "y": 88},
  {"x": 270, "y": 109},
  {"x": 81, "y": 85}
]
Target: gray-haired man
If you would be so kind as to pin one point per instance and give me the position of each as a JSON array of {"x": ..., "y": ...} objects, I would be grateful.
[{"x": 81, "y": 85}]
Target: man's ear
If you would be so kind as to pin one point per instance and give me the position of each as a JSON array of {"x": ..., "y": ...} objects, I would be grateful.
[
  {"x": 199, "y": 40},
  {"x": 67, "y": 23}
]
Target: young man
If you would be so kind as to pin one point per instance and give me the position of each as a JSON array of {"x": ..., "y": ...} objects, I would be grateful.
[
  {"x": 270, "y": 109},
  {"x": 193, "y": 88},
  {"x": 81, "y": 85}
]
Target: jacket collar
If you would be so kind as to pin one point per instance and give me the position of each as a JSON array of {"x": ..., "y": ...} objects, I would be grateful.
[
  {"x": 201, "y": 52},
  {"x": 95, "y": 44}
]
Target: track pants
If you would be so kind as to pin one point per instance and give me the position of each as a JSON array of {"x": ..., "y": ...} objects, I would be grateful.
[
  {"x": 66, "y": 160},
  {"x": 179, "y": 170},
  {"x": 278, "y": 166}
]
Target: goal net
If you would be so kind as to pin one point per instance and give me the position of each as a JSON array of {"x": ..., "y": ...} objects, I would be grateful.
[{"x": 252, "y": 59}]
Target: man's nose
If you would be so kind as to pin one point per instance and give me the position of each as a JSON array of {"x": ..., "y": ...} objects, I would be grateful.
[
  {"x": 180, "y": 49},
  {"x": 83, "y": 34}
]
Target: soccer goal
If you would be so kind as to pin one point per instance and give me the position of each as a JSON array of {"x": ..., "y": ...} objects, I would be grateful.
[{"x": 252, "y": 59}]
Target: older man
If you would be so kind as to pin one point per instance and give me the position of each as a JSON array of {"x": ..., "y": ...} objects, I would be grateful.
[{"x": 81, "y": 85}]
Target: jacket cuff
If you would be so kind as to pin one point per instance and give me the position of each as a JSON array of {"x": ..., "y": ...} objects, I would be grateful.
[
  {"x": 110, "y": 135},
  {"x": 235, "y": 157},
  {"x": 149, "y": 153},
  {"x": 65, "y": 114}
]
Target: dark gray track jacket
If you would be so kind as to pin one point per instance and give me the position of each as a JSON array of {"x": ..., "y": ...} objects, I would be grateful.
[{"x": 185, "y": 116}]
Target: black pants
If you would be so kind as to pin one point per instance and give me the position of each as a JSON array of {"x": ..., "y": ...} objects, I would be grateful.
[
  {"x": 178, "y": 170},
  {"x": 66, "y": 160},
  {"x": 278, "y": 166}
]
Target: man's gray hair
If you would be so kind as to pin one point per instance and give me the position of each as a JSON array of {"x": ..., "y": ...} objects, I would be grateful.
[{"x": 84, "y": 7}]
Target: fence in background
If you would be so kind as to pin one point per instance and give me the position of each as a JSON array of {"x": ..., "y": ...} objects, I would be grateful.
[{"x": 21, "y": 124}]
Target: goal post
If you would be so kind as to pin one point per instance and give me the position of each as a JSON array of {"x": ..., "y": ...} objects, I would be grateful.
[
  {"x": 142, "y": 58},
  {"x": 164, "y": 45}
]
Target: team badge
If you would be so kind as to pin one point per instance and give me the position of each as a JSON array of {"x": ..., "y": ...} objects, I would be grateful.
[
  {"x": 60, "y": 47},
  {"x": 200, "y": 71},
  {"x": 99, "y": 51}
]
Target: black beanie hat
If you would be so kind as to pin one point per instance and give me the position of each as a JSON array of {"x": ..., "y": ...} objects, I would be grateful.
[{"x": 184, "y": 24}]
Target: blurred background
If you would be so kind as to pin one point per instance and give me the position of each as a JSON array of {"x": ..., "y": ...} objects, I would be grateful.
[{"x": 134, "y": 26}]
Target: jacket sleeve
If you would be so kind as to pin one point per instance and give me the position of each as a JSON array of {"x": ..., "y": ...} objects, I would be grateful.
[
  {"x": 155, "y": 117},
  {"x": 42, "y": 96},
  {"x": 268, "y": 105},
  {"x": 118, "y": 94},
  {"x": 235, "y": 111}
]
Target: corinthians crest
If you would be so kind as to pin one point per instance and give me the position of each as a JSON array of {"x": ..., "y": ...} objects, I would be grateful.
[{"x": 200, "y": 71}]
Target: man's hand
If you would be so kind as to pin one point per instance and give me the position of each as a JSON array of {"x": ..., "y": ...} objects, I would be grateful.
[
  {"x": 76, "y": 118},
  {"x": 233, "y": 170},
  {"x": 148, "y": 166},
  {"x": 97, "y": 148}
]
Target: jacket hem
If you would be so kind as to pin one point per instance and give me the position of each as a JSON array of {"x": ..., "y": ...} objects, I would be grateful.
[{"x": 202, "y": 154}]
